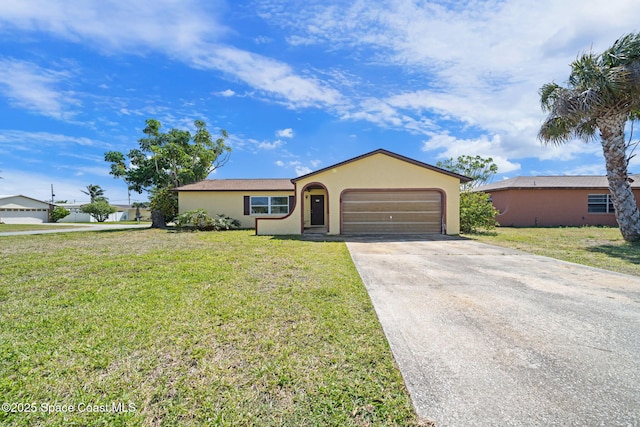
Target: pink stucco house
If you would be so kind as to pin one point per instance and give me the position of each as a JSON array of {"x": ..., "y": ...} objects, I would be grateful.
[{"x": 528, "y": 201}]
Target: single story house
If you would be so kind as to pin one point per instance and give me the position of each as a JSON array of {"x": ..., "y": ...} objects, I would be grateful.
[
  {"x": 529, "y": 201},
  {"x": 376, "y": 193},
  {"x": 21, "y": 209}
]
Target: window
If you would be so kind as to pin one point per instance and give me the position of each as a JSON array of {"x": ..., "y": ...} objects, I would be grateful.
[
  {"x": 270, "y": 205},
  {"x": 600, "y": 203}
]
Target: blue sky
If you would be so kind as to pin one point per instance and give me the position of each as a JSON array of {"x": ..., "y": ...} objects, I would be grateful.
[{"x": 298, "y": 85}]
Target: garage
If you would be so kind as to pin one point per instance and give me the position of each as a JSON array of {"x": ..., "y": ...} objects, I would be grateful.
[
  {"x": 391, "y": 211},
  {"x": 23, "y": 210}
]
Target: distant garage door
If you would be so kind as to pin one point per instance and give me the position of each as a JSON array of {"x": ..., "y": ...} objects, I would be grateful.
[
  {"x": 391, "y": 211},
  {"x": 24, "y": 216}
]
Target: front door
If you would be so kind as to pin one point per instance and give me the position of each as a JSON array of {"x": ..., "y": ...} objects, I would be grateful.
[{"x": 317, "y": 209}]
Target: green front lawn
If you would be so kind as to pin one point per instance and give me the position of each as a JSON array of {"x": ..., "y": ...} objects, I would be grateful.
[
  {"x": 601, "y": 247},
  {"x": 149, "y": 327}
]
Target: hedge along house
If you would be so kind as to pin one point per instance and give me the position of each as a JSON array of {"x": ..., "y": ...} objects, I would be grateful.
[
  {"x": 545, "y": 201},
  {"x": 377, "y": 193}
]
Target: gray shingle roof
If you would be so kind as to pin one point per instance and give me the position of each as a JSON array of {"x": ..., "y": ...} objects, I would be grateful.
[
  {"x": 239, "y": 185},
  {"x": 567, "y": 182}
]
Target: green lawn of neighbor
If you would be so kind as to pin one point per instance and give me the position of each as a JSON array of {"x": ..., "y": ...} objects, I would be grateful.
[
  {"x": 601, "y": 247},
  {"x": 158, "y": 328}
]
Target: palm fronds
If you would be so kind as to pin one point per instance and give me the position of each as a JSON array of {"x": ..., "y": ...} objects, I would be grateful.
[{"x": 598, "y": 86}]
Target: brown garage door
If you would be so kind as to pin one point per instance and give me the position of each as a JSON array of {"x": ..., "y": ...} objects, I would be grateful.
[{"x": 391, "y": 211}]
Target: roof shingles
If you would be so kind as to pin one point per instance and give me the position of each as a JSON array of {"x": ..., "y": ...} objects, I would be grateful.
[
  {"x": 239, "y": 185},
  {"x": 531, "y": 182}
]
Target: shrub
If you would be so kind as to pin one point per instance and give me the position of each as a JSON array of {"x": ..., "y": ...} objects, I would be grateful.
[
  {"x": 166, "y": 201},
  {"x": 476, "y": 212},
  {"x": 199, "y": 219},
  {"x": 223, "y": 222},
  {"x": 58, "y": 213},
  {"x": 100, "y": 209}
]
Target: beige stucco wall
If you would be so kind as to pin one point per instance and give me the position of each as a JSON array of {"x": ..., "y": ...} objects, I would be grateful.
[
  {"x": 373, "y": 172},
  {"x": 230, "y": 203},
  {"x": 287, "y": 225}
]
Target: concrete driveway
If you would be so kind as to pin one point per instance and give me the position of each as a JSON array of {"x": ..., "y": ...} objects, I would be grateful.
[{"x": 491, "y": 336}]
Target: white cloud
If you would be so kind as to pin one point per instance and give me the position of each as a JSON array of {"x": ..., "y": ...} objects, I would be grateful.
[
  {"x": 188, "y": 30},
  {"x": 471, "y": 68},
  {"x": 590, "y": 169},
  {"x": 238, "y": 142},
  {"x": 29, "y": 86},
  {"x": 263, "y": 40},
  {"x": 296, "y": 165},
  {"x": 384, "y": 114},
  {"x": 270, "y": 145},
  {"x": 471, "y": 65},
  {"x": 91, "y": 170},
  {"x": 268, "y": 76},
  {"x": 302, "y": 170},
  {"x": 114, "y": 25},
  {"x": 227, "y": 93},
  {"x": 33, "y": 140},
  {"x": 285, "y": 133},
  {"x": 483, "y": 146}
]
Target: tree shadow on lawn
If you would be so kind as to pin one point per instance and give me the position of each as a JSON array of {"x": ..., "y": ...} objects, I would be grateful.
[
  {"x": 115, "y": 230},
  {"x": 629, "y": 252}
]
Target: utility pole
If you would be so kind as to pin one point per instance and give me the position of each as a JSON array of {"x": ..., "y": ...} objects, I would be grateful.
[{"x": 51, "y": 205}]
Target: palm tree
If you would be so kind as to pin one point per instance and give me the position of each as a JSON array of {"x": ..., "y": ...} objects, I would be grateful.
[
  {"x": 94, "y": 192},
  {"x": 602, "y": 93}
]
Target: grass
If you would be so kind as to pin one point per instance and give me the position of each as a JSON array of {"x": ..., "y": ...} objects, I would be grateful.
[
  {"x": 601, "y": 247},
  {"x": 190, "y": 329}
]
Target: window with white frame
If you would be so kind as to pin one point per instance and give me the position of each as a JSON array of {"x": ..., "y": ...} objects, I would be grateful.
[
  {"x": 269, "y": 205},
  {"x": 600, "y": 203}
]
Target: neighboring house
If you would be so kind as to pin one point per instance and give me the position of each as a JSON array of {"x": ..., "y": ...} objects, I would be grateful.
[
  {"x": 376, "y": 193},
  {"x": 23, "y": 210},
  {"x": 528, "y": 201}
]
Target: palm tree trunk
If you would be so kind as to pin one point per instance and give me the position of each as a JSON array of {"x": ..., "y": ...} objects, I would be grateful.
[{"x": 614, "y": 150}]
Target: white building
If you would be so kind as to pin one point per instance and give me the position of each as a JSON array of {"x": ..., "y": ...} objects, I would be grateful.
[
  {"x": 77, "y": 215},
  {"x": 23, "y": 210}
]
